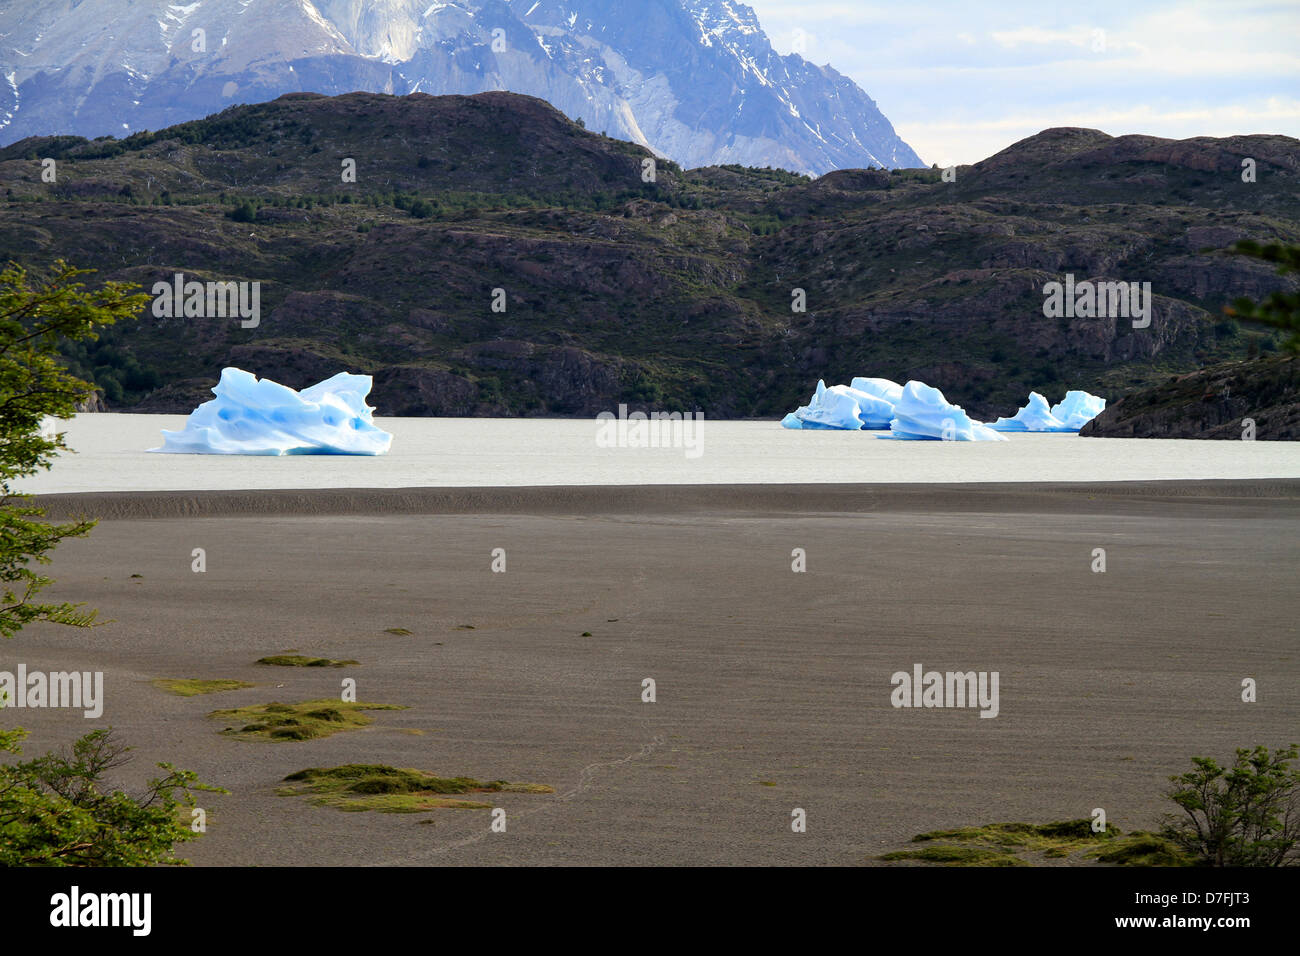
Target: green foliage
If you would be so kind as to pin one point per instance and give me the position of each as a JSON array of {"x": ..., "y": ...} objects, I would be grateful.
[
  {"x": 36, "y": 315},
  {"x": 111, "y": 365},
  {"x": 1244, "y": 815},
  {"x": 361, "y": 787},
  {"x": 1009, "y": 844},
  {"x": 300, "y": 660},
  {"x": 1281, "y": 309},
  {"x": 306, "y": 720},
  {"x": 191, "y": 686},
  {"x": 54, "y": 810},
  {"x": 244, "y": 212}
]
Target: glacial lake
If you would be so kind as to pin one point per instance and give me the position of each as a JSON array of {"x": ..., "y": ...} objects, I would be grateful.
[{"x": 467, "y": 452}]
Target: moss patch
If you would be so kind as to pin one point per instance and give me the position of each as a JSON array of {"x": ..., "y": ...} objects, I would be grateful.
[
  {"x": 302, "y": 721},
  {"x": 946, "y": 855},
  {"x": 360, "y": 787},
  {"x": 1143, "y": 849},
  {"x": 1014, "y": 844},
  {"x": 299, "y": 660},
  {"x": 192, "y": 686}
]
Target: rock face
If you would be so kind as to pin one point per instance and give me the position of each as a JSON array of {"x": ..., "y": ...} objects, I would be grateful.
[
  {"x": 695, "y": 81},
  {"x": 1215, "y": 402}
]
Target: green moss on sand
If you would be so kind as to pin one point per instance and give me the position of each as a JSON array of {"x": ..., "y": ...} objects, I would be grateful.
[
  {"x": 1007, "y": 844},
  {"x": 361, "y": 787},
  {"x": 302, "y": 721},
  {"x": 958, "y": 856},
  {"x": 191, "y": 686},
  {"x": 299, "y": 660}
]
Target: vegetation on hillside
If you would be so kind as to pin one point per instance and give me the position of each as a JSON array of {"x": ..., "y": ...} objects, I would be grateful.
[{"x": 642, "y": 283}]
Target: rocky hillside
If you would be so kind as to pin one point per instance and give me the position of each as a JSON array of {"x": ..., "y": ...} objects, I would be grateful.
[
  {"x": 696, "y": 81},
  {"x": 1217, "y": 402},
  {"x": 675, "y": 293}
]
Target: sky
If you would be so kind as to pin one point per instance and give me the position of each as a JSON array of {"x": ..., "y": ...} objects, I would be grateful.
[{"x": 961, "y": 81}]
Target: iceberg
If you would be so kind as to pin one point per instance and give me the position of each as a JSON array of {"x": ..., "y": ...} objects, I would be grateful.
[
  {"x": 1078, "y": 408},
  {"x": 1036, "y": 416},
  {"x": 252, "y": 416},
  {"x": 832, "y": 407},
  {"x": 847, "y": 406},
  {"x": 924, "y": 414},
  {"x": 891, "y": 392},
  {"x": 874, "y": 409}
]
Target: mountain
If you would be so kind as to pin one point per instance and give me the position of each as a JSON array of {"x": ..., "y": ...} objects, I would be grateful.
[
  {"x": 695, "y": 81},
  {"x": 673, "y": 295}
]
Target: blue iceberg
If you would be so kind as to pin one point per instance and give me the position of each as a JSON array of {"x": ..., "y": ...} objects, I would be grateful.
[
  {"x": 924, "y": 414},
  {"x": 847, "y": 406},
  {"x": 252, "y": 416},
  {"x": 1078, "y": 408},
  {"x": 882, "y": 388},
  {"x": 1070, "y": 415},
  {"x": 1036, "y": 416}
]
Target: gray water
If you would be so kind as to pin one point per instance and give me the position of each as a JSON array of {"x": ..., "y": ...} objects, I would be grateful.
[{"x": 430, "y": 452}]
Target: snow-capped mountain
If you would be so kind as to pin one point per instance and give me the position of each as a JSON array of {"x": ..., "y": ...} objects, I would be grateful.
[{"x": 696, "y": 81}]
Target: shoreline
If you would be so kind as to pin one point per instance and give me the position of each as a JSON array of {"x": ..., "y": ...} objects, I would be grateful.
[{"x": 1263, "y": 495}]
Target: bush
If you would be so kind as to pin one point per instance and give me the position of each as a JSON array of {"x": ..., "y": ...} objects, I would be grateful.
[
  {"x": 54, "y": 812},
  {"x": 1244, "y": 815},
  {"x": 245, "y": 212}
]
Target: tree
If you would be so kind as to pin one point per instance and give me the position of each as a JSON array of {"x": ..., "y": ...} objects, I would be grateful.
[
  {"x": 1244, "y": 815},
  {"x": 34, "y": 318},
  {"x": 54, "y": 810},
  {"x": 1281, "y": 309}
]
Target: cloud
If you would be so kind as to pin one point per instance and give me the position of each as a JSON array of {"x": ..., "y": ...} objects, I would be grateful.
[
  {"x": 962, "y": 140},
  {"x": 965, "y": 81}
]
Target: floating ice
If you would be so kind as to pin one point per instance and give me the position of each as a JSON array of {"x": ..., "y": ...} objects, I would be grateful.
[
  {"x": 875, "y": 409},
  {"x": 252, "y": 416},
  {"x": 917, "y": 411},
  {"x": 846, "y": 406},
  {"x": 891, "y": 392},
  {"x": 1078, "y": 408},
  {"x": 1036, "y": 416},
  {"x": 1070, "y": 415},
  {"x": 830, "y": 407},
  {"x": 923, "y": 413}
]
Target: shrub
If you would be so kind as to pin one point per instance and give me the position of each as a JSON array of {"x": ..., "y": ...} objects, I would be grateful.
[{"x": 1244, "y": 815}]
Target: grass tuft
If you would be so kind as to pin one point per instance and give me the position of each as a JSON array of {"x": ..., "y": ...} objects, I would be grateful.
[
  {"x": 299, "y": 660},
  {"x": 303, "y": 721},
  {"x": 361, "y": 787},
  {"x": 1008, "y": 844},
  {"x": 192, "y": 686}
]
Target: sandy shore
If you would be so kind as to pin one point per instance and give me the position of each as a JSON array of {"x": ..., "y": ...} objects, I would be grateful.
[{"x": 773, "y": 688}]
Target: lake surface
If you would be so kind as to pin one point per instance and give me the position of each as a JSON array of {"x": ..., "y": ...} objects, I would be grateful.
[{"x": 467, "y": 452}]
